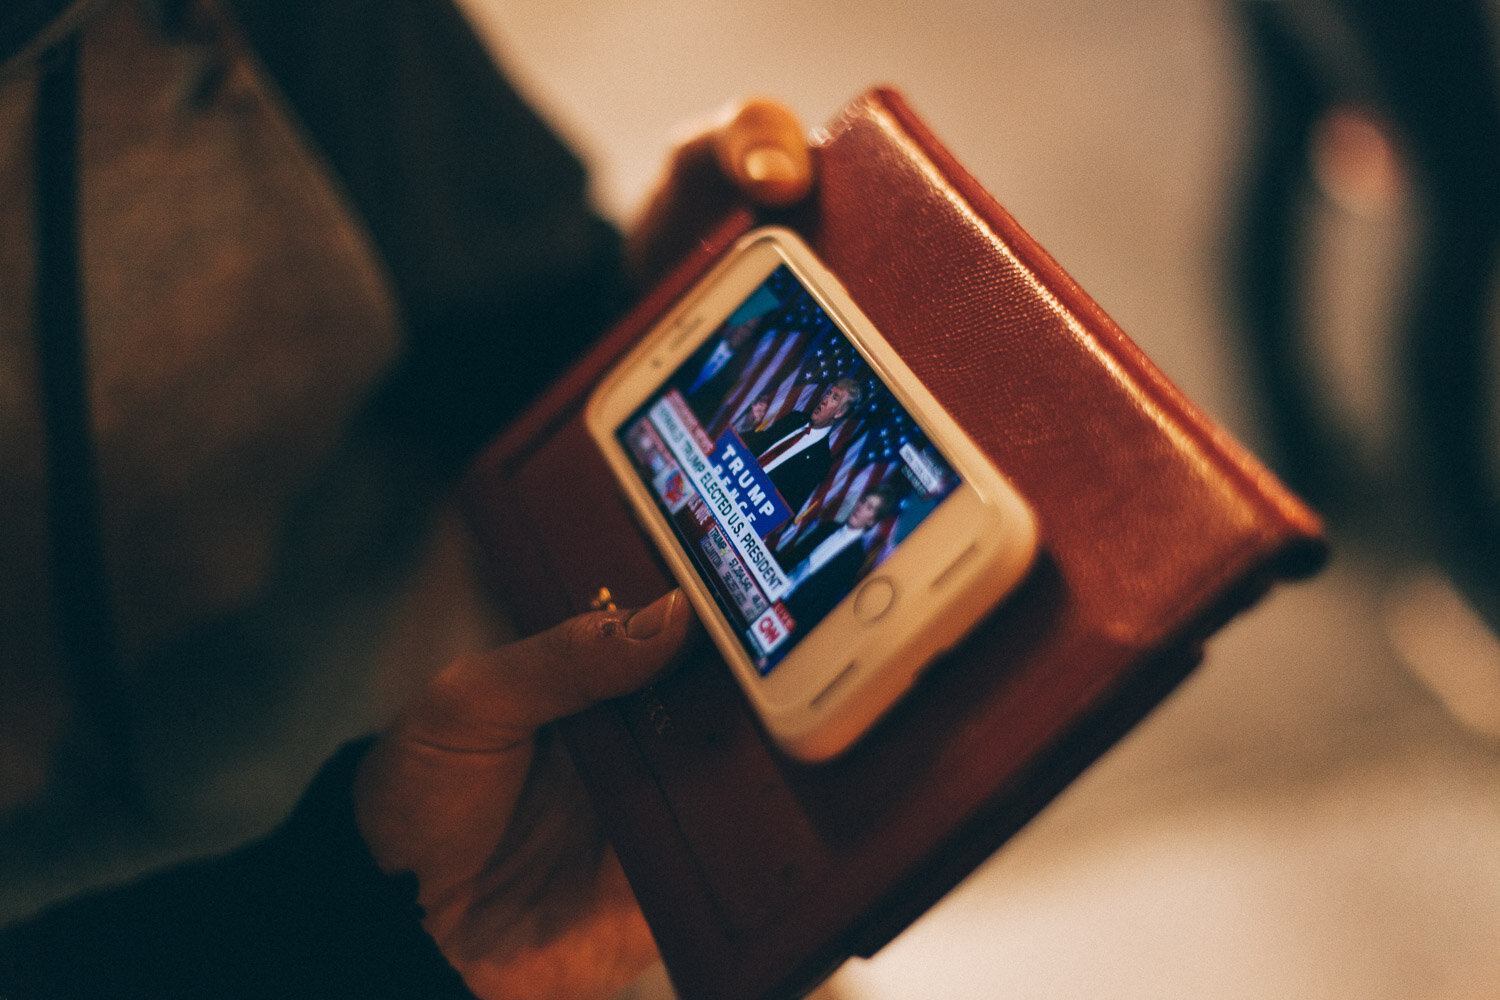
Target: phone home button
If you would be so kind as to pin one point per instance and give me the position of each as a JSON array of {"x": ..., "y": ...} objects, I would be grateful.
[{"x": 874, "y": 599}]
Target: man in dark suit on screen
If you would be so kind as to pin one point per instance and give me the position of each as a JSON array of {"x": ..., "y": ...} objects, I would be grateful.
[
  {"x": 794, "y": 451},
  {"x": 825, "y": 565}
]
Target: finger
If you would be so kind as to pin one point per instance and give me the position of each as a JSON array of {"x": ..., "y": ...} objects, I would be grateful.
[
  {"x": 763, "y": 150},
  {"x": 491, "y": 700}
]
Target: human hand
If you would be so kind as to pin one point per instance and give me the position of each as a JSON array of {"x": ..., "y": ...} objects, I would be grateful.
[
  {"x": 754, "y": 150},
  {"x": 470, "y": 792}
]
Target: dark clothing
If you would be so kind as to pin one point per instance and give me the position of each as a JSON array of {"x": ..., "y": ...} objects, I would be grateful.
[
  {"x": 294, "y": 226},
  {"x": 303, "y": 913},
  {"x": 799, "y": 550},
  {"x": 821, "y": 592},
  {"x": 301, "y": 226},
  {"x": 797, "y": 477},
  {"x": 502, "y": 268}
]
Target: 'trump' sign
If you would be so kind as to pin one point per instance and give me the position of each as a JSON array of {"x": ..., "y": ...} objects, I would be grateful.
[{"x": 748, "y": 485}]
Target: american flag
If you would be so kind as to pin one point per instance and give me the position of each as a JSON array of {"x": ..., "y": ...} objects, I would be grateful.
[
  {"x": 798, "y": 354},
  {"x": 868, "y": 456}
]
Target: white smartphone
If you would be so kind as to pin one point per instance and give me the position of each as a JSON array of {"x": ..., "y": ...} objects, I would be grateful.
[{"x": 833, "y": 527}]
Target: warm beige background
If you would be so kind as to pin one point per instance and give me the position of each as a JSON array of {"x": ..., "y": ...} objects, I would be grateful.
[{"x": 1304, "y": 819}]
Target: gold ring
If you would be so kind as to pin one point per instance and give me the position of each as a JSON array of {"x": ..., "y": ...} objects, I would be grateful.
[{"x": 603, "y": 601}]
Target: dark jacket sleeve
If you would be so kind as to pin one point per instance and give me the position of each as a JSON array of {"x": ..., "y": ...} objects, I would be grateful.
[
  {"x": 302, "y": 913},
  {"x": 502, "y": 268}
]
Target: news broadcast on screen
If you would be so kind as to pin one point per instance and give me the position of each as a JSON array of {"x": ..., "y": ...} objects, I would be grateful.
[{"x": 784, "y": 464}]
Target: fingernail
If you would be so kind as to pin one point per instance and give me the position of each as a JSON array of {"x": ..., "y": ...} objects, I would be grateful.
[
  {"x": 651, "y": 619},
  {"x": 769, "y": 164}
]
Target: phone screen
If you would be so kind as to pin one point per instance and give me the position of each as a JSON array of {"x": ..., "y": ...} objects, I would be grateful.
[{"x": 785, "y": 466}]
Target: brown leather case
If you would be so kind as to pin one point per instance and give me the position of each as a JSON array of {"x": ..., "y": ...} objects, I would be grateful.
[{"x": 759, "y": 875}]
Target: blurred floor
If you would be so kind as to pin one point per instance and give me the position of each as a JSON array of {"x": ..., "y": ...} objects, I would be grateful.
[{"x": 1304, "y": 817}]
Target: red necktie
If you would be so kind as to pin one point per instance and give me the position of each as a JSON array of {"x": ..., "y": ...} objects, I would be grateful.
[{"x": 784, "y": 445}]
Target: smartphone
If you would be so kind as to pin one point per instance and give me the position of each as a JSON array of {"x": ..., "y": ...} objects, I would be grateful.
[{"x": 832, "y": 526}]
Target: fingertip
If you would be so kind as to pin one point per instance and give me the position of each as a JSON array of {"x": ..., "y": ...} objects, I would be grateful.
[
  {"x": 769, "y": 165},
  {"x": 635, "y": 650},
  {"x": 764, "y": 150},
  {"x": 775, "y": 176},
  {"x": 654, "y": 618},
  {"x": 767, "y": 116}
]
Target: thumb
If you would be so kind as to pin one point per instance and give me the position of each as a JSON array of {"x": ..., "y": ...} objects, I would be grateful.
[
  {"x": 491, "y": 700},
  {"x": 762, "y": 148}
]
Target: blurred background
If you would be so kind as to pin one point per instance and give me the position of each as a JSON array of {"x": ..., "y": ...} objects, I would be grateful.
[{"x": 1292, "y": 208}]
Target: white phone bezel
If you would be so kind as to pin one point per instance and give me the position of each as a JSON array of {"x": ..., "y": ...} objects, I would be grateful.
[{"x": 970, "y": 551}]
